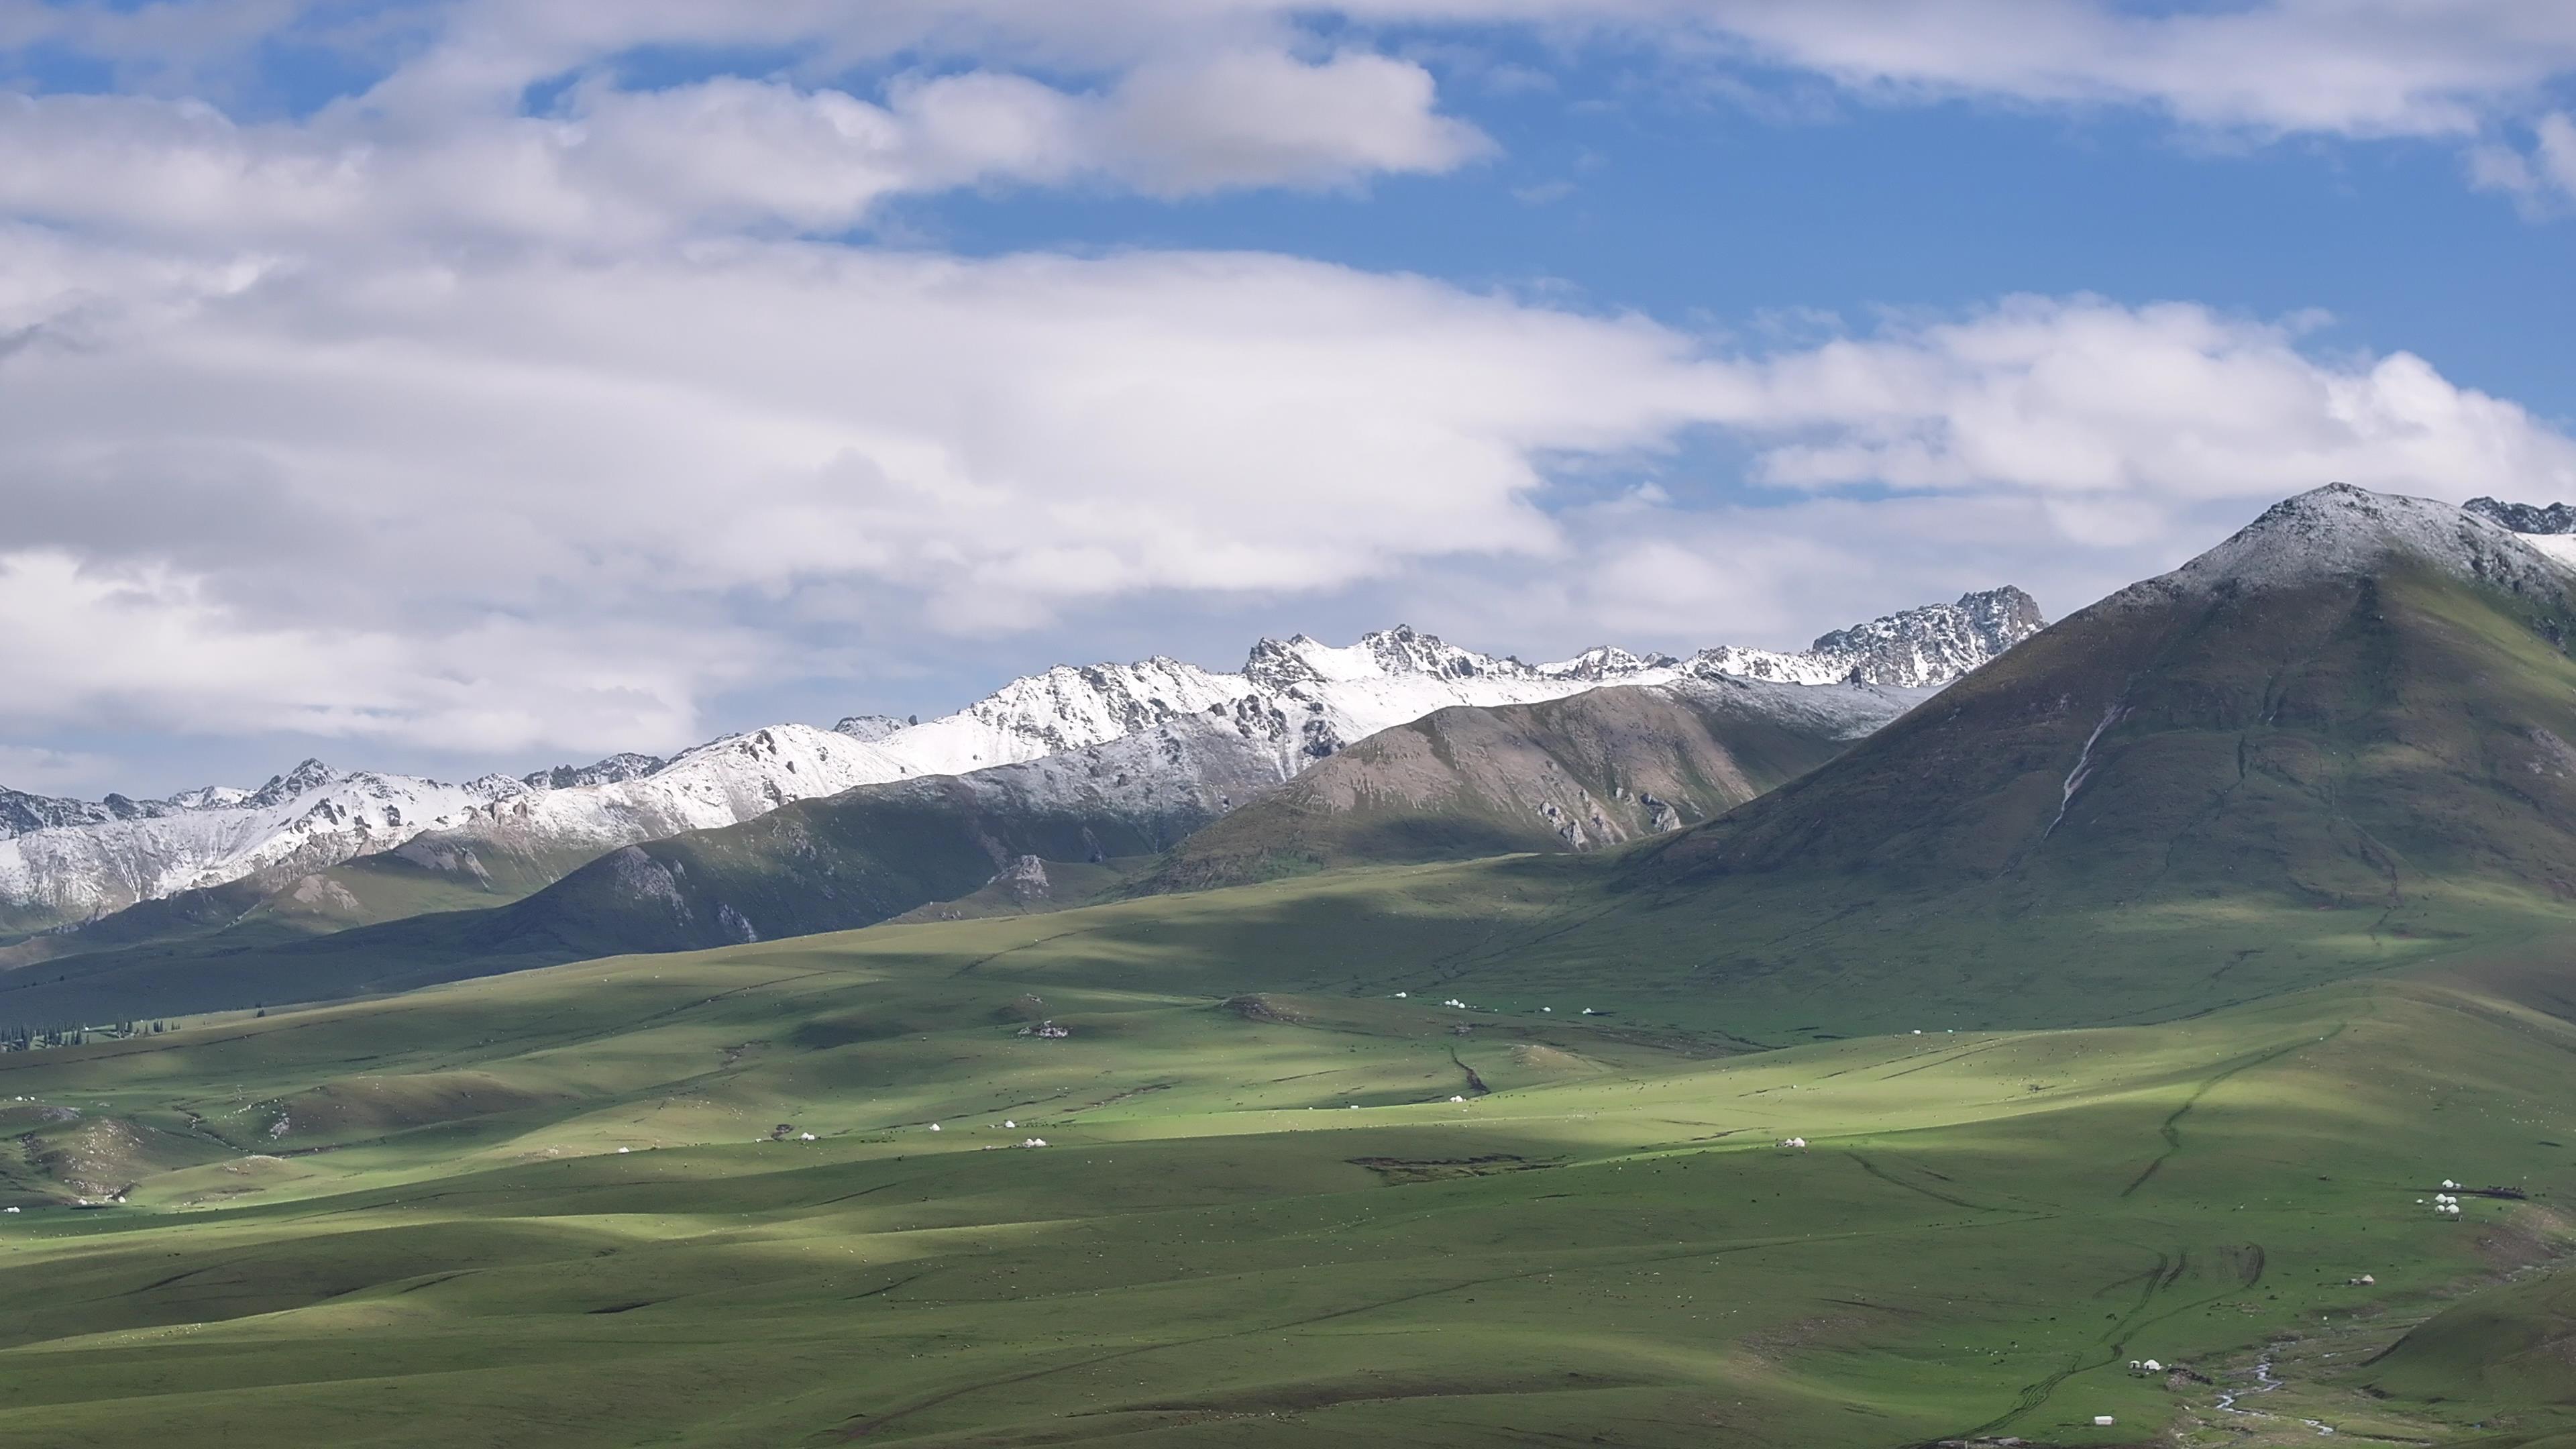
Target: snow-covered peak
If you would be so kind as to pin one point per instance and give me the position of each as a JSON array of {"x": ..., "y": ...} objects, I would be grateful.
[
  {"x": 2524, "y": 518},
  {"x": 1295, "y": 701},
  {"x": 1379, "y": 654},
  {"x": 2340, "y": 530},
  {"x": 304, "y": 778},
  {"x": 872, "y": 726},
  {"x": 1607, "y": 663},
  {"x": 21, "y": 812},
  {"x": 1911, "y": 649},
  {"x": 2550, "y": 531},
  {"x": 308, "y": 818},
  {"x": 617, "y": 767}
]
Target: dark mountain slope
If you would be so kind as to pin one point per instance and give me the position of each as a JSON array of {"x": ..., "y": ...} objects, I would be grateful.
[
  {"x": 2356, "y": 694},
  {"x": 842, "y": 861},
  {"x": 1601, "y": 767}
]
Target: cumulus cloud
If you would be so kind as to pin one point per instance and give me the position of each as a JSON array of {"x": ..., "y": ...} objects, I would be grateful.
[
  {"x": 2078, "y": 399},
  {"x": 512, "y": 402},
  {"x": 547, "y": 502},
  {"x": 2355, "y": 67},
  {"x": 909, "y": 97},
  {"x": 616, "y": 167},
  {"x": 152, "y": 647}
]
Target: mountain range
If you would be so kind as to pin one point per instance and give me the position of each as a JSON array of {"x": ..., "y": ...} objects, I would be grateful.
[{"x": 1295, "y": 701}]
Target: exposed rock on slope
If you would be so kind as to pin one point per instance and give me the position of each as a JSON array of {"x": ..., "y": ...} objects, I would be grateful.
[
  {"x": 1921, "y": 647},
  {"x": 1596, "y": 769},
  {"x": 1295, "y": 701},
  {"x": 2524, "y": 517},
  {"x": 860, "y": 857}
]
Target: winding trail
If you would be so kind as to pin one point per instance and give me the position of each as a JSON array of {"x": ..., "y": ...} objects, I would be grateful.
[{"x": 2171, "y": 1131}]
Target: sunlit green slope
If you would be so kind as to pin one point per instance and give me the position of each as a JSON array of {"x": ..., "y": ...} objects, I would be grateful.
[{"x": 1257, "y": 1220}]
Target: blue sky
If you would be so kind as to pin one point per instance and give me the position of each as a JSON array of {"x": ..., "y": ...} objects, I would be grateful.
[{"x": 449, "y": 386}]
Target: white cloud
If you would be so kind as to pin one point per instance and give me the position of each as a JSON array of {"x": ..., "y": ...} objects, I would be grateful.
[
  {"x": 2347, "y": 67},
  {"x": 536, "y": 502},
  {"x": 148, "y": 646},
  {"x": 2543, "y": 177},
  {"x": 2356, "y": 67},
  {"x": 2084, "y": 399},
  {"x": 618, "y": 168},
  {"x": 429, "y": 417},
  {"x": 42, "y": 771},
  {"x": 1164, "y": 97}
]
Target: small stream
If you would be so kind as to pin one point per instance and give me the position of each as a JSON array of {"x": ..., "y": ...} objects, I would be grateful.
[{"x": 2265, "y": 1381}]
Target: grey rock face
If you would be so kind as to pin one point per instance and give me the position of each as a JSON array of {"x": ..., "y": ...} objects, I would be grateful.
[{"x": 2523, "y": 517}]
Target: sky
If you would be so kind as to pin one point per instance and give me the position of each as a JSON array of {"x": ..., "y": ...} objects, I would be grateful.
[{"x": 451, "y": 385}]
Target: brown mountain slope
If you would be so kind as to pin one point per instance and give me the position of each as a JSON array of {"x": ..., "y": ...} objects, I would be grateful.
[{"x": 1596, "y": 769}]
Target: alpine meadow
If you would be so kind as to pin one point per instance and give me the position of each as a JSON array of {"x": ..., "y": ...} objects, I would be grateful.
[{"x": 2112, "y": 984}]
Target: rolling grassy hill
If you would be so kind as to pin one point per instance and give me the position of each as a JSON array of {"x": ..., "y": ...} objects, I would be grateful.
[{"x": 1263, "y": 1219}]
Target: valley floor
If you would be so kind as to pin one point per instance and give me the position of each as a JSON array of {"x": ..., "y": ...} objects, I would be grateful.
[{"x": 548, "y": 1209}]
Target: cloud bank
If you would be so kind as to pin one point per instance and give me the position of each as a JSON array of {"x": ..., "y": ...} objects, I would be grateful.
[{"x": 527, "y": 388}]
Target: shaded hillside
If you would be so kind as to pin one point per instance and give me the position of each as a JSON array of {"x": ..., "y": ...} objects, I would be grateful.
[
  {"x": 2355, "y": 695},
  {"x": 1594, "y": 770},
  {"x": 849, "y": 860}
]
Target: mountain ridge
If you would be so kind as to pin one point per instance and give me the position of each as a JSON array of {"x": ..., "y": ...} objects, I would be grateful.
[{"x": 1300, "y": 699}]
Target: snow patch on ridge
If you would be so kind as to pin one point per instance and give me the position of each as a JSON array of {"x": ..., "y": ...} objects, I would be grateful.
[
  {"x": 1158, "y": 728},
  {"x": 2341, "y": 531}
]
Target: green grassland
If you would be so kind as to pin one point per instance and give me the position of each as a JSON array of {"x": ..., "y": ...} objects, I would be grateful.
[{"x": 1261, "y": 1217}]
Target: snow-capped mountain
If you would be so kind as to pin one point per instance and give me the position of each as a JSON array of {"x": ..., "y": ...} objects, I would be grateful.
[
  {"x": 2524, "y": 517},
  {"x": 301, "y": 821},
  {"x": 1294, "y": 701},
  {"x": 2551, "y": 530},
  {"x": 1930, "y": 645},
  {"x": 2340, "y": 531}
]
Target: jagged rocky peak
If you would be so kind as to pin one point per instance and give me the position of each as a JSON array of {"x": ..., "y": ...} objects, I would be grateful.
[
  {"x": 2340, "y": 530},
  {"x": 1067, "y": 707},
  {"x": 303, "y": 779},
  {"x": 626, "y": 766},
  {"x": 21, "y": 812},
  {"x": 2557, "y": 518},
  {"x": 1379, "y": 654},
  {"x": 1935, "y": 643},
  {"x": 1606, "y": 661},
  {"x": 1910, "y": 649},
  {"x": 874, "y": 727}
]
